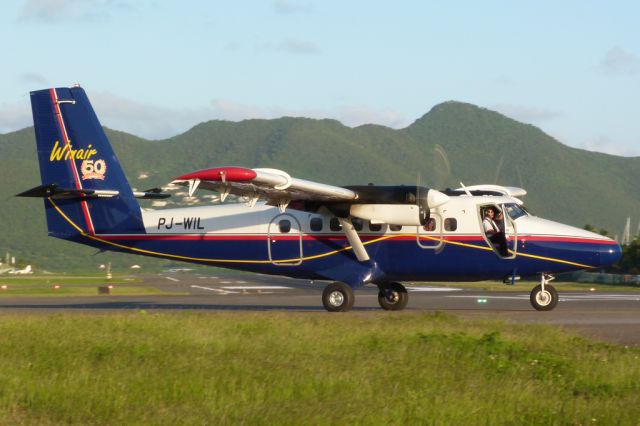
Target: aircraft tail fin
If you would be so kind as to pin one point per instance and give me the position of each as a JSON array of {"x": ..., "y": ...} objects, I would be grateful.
[{"x": 84, "y": 186}]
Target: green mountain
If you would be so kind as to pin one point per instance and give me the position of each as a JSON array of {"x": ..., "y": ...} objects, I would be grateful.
[{"x": 453, "y": 142}]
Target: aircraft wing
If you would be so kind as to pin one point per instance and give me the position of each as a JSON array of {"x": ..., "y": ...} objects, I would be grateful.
[{"x": 273, "y": 185}]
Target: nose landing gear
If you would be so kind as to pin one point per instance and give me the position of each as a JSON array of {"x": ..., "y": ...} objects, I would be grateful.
[
  {"x": 544, "y": 296},
  {"x": 393, "y": 297}
]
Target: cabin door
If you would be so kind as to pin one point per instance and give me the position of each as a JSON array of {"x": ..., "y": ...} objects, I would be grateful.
[
  {"x": 499, "y": 230},
  {"x": 429, "y": 236},
  {"x": 285, "y": 241}
]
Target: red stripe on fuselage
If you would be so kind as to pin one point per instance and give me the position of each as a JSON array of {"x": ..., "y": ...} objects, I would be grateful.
[
  {"x": 307, "y": 237},
  {"x": 545, "y": 238}
]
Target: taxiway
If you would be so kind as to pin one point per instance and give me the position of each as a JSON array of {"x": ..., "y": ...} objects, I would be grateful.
[{"x": 608, "y": 316}]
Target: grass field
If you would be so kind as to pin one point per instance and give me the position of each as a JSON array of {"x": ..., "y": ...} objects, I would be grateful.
[
  {"x": 73, "y": 285},
  {"x": 307, "y": 368}
]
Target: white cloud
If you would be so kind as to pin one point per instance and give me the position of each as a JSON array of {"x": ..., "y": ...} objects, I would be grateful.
[
  {"x": 298, "y": 47},
  {"x": 288, "y": 7},
  {"x": 46, "y": 10},
  {"x": 156, "y": 122},
  {"x": 142, "y": 119},
  {"x": 56, "y": 11},
  {"x": 291, "y": 46},
  {"x": 15, "y": 116},
  {"x": 348, "y": 115},
  {"x": 619, "y": 61},
  {"x": 358, "y": 115},
  {"x": 526, "y": 114},
  {"x": 160, "y": 122},
  {"x": 34, "y": 79},
  {"x": 604, "y": 144},
  {"x": 503, "y": 80}
]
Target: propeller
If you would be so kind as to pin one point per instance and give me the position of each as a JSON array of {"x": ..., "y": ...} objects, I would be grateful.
[
  {"x": 422, "y": 200},
  {"x": 441, "y": 166},
  {"x": 427, "y": 198}
]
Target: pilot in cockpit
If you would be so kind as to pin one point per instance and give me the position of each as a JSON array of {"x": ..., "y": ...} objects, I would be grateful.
[
  {"x": 488, "y": 223},
  {"x": 494, "y": 231}
]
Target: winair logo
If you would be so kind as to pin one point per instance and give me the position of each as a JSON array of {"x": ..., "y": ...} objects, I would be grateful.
[
  {"x": 91, "y": 169},
  {"x": 59, "y": 153}
]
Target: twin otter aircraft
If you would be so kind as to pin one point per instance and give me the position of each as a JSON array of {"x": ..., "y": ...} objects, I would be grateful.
[{"x": 352, "y": 235}]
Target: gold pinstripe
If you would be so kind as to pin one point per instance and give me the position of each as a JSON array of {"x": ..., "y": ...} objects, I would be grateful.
[{"x": 317, "y": 256}]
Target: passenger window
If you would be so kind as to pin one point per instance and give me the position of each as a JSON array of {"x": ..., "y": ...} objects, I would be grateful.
[
  {"x": 450, "y": 224},
  {"x": 284, "y": 225},
  {"x": 430, "y": 226},
  {"x": 375, "y": 227},
  {"x": 334, "y": 224},
  {"x": 395, "y": 228},
  {"x": 357, "y": 224},
  {"x": 316, "y": 224}
]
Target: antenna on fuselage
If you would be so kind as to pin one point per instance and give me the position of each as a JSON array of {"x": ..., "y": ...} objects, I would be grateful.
[{"x": 464, "y": 188}]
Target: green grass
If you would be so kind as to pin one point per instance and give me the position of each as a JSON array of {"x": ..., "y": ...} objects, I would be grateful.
[
  {"x": 74, "y": 285},
  {"x": 307, "y": 368},
  {"x": 68, "y": 291}
]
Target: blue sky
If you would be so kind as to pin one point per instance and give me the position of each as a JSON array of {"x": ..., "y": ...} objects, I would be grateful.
[{"x": 155, "y": 68}]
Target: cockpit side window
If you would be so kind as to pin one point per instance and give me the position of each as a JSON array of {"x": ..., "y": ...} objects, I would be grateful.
[{"x": 515, "y": 211}]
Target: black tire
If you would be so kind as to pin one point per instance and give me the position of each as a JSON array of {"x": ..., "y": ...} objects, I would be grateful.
[
  {"x": 393, "y": 297},
  {"x": 544, "y": 301},
  {"x": 338, "y": 297}
]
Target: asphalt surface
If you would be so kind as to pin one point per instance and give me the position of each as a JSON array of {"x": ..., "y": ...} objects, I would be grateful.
[{"x": 608, "y": 316}]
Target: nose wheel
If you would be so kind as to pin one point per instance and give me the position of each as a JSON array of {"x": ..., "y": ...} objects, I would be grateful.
[
  {"x": 544, "y": 296},
  {"x": 393, "y": 297}
]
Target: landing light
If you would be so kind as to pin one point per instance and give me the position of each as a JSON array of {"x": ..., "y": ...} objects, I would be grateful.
[
  {"x": 4, "y": 287},
  {"x": 482, "y": 300}
]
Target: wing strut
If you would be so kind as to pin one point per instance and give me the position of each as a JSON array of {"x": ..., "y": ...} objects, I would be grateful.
[{"x": 354, "y": 240}]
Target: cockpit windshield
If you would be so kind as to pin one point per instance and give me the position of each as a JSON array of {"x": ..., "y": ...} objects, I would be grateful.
[{"x": 515, "y": 211}]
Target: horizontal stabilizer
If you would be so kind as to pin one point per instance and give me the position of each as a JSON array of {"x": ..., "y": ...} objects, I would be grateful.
[
  {"x": 54, "y": 191},
  {"x": 151, "y": 194}
]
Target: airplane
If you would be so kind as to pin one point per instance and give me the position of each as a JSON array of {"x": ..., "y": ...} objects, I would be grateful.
[
  {"x": 350, "y": 235},
  {"x": 25, "y": 271}
]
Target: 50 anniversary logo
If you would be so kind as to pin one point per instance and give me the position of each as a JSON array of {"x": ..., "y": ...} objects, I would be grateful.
[{"x": 90, "y": 168}]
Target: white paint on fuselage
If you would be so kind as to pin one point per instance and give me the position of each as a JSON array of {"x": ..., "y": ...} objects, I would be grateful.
[{"x": 240, "y": 219}]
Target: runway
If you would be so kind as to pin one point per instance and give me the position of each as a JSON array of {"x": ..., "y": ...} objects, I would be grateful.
[{"x": 612, "y": 316}]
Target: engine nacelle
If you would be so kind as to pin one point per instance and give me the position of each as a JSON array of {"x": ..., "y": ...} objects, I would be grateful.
[{"x": 394, "y": 214}]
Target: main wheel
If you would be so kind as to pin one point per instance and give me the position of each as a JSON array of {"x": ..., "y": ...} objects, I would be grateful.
[
  {"x": 393, "y": 297},
  {"x": 544, "y": 300},
  {"x": 338, "y": 297}
]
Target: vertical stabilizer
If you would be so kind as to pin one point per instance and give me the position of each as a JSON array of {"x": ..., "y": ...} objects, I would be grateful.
[{"x": 74, "y": 153}]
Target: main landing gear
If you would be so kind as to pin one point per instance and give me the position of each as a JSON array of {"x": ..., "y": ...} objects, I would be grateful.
[
  {"x": 544, "y": 296},
  {"x": 338, "y": 297}
]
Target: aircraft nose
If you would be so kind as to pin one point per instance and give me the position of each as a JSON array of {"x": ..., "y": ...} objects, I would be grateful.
[{"x": 610, "y": 254}]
